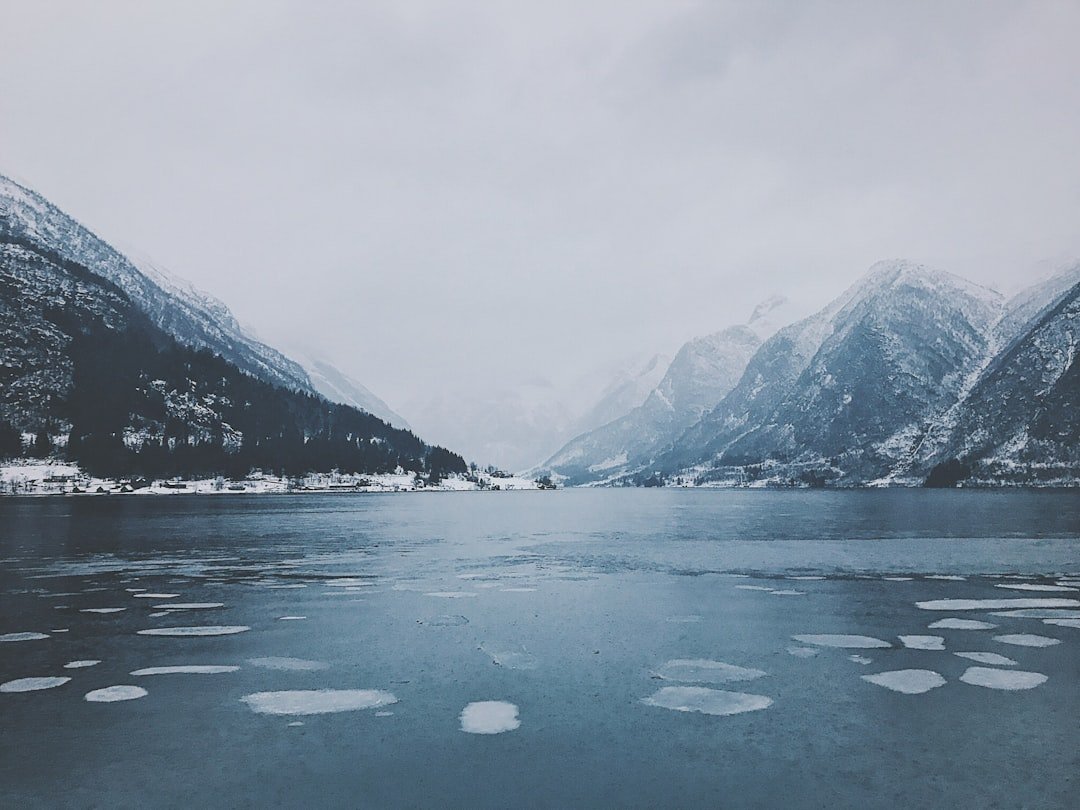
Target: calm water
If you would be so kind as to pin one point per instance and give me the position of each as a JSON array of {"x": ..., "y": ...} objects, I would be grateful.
[{"x": 571, "y": 606}]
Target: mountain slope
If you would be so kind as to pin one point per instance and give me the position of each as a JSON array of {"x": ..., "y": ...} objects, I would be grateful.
[
  {"x": 703, "y": 371},
  {"x": 339, "y": 387},
  {"x": 842, "y": 395},
  {"x": 193, "y": 318}
]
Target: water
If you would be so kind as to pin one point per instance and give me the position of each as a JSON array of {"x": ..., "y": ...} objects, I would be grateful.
[{"x": 537, "y": 649}]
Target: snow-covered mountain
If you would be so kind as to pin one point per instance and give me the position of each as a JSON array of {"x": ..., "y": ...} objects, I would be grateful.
[
  {"x": 843, "y": 396},
  {"x": 337, "y": 386},
  {"x": 192, "y": 317},
  {"x": 703, "y": 371}
]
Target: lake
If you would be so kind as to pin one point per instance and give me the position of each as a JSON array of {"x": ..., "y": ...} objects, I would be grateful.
[{"x": 585, "y": 648}]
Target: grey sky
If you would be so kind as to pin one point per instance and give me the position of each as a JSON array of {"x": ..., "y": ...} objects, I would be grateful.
[{"x": 438, "y": 195}]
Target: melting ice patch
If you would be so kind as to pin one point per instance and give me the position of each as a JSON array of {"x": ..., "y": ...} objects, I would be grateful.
[
  {"x": 512, "y": 659},
  {"x": 700, "y": 670},
  {"x": 684, "y": 619},
  {"x": 291, "y": 618},
  {"x": 907, "y": 681},
  {"x": 186, "y": 669},
  {"x": 1027, "y": 640},
  {"x": 156, "y": 595},
  {"x": 102, "y": 610},
  {"x": 898, "y": 579},
  {"x": 517, "y": 590},
  {"x": 445, "y": 621},
  {"x": 32, "y": 684},
  {"x": 923, "y": 642},
  {"x": 754, "y": 588},
  {"x": 1032, "y": 586},
  {"x": 706, "y": 701},
  {"x": 987, "y": 658},
  {"x": 288, "y": 664},
  {"x": 205, "y": 630},
  {"x": 317, "y": 701},
  {"x": 189, "y": 606},
  {"x": 961, "y": 624},
  {"x": 1010, "y": 679},
  {"x": 1035, "y": 613},
  {"x": 489, "y": 717},
  {"x": 803, "y": 652},
  {"x": 114, "y": 694},
  {"x": 80, "y": 664},
  {"x": 995, "y": 604},
  {"x": 1063, "y": 622},
  {"x": 23, "y": 636},
  {"x": 843, "y": 641},
  {"x": 860, "y": 659},
  {"x": 946, "y": 577},
  {"x": 788, "y": 592}
]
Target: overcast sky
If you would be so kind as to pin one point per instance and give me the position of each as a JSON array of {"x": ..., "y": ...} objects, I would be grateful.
[{"x": 444, "y": 194}]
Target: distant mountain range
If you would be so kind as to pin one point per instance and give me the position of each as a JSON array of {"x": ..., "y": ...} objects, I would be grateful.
[
  {"x": 912, "y": 375},
  {"x": 130, "y": 371}
]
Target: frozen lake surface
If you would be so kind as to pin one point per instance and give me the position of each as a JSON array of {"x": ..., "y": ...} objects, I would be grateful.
[{"x": 632, "y": 648}]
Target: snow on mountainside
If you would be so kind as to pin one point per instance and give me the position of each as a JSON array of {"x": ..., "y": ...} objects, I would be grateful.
[
  {"x": 337, "y": 386},
  {"x": 193, "y": 318},
  {"x": 703, "y": 371},
  {"x": 628, "y": 389},
  {"x": 843, "y": 395}
]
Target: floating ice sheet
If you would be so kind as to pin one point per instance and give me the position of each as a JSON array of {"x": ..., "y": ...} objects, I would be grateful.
[
  {"x": 205, "y": 630},
  {"x": 81, "y": 664},
  {"x": 923, "y": 642},
  {"x": 788, "y": 592},
  {"x": 701, "y": 670},
  {"x": 23, "y": 636},
  {"x": 706, "y": 701},
  {"x": 1063, "y": 622},
  {"x": 114, "y": 694},
  {"x": 32, "y": 684},
  {"x": 446, "y": 621},
  {"x": 754, "y": 588},
  {"x": 995, "y": 604},
  {"x": 1036, "y": 613},
  {"x": 517, "y": 590},
  {"x": 961, "y": 624},
  {"x": 1027, "y": 640},
  {"x": 907, "y": 681},
  {"x": 512, "y": 659},
  {"x": 189, "y": 606},
  {"x": 843, "y": 641},
  {"x": 803, "y": 652},
  {"x": 452, "y": 594},
  {"x": 860, "y": 659},
  {"x": 288, "y": 664},
  {"x": 1010, "y": 679},
  {"x": 187, "y": 669},
  {"x": 987, "y": 658},
  {"x": 946, "y": 577},
  {"x": 489, "y": 717},
  {"x": 291, "y": 618},
  {"x": 1033, "y": 586},
  {"x": 317, "y": 701},
  {"x": 103, "y": 610},
  {"x": 156, "y": 595},
  {"x": 692, "y": 619}
]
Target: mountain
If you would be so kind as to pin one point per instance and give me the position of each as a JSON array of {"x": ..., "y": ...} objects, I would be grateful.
[
  {"x": 842, "y": 396},
  {"x": 1020, "y": 423},
  {"x": 628, "y": 388},
  {"x": 339, "y": 387},
  {"x": 85, "y": 367},
  {"x": 192, "y": 317},
  {"x": 703, "y": 371}
]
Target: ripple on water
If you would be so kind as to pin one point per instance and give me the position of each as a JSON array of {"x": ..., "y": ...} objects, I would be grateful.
[
  {"x": 23, "y": 636},
  {"x": 961, "y": 624},
  {"x": 205, "y": 630},
  {"x": 489, "y": 717},
  {"x": 706, "y": 701},
  {"x": 1009, "y": 679},
  {"x": 114, "y": 694},
  {"x": 317, "y": 701},
  {"x": 288, "y": 664},
  {"x": 187, "y": 669},
  {"x": 907, "y": 681},
  {"x": 1027, "y": 640},
  {"x": 32, "y": 684},
  {"x": 843, "y": 641},
  {"x": 700, "y": 670},
  {"x": 987, "y": 658}
]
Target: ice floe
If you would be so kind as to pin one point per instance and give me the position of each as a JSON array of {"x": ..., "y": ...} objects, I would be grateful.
[
  {"x": 205, "y": 630},
  {"x": 517, "y": 590},
  {"x": 945, "y": 578},
  {"x": 788, "y": 592},
  {"x": 512, "y": 659},
  {"x": 32, "y": 684},
  {"x": 692, "y": 619},
  {"x": 803, "y": 652},
  {"x": 754, "y": 588},
  {"x": 701, "y": 670},
  {"x": 156, "y": 595},
  {"x": 898, "y": 579},
  {"x": 1027, "y": 640},
  {"x": 961, "y": 624},
  {"x": 1063, "y": 622},
  {"x": 452, "y": 594},
  {"x": 102, "y": 610},
  {"x": 1032, "y": 586},
  {"x": 807, "y": 578},
  {"x": 1010, "y": 679},
  {"x": 908, "y": 681},
  {"x": 706, "y": 701},
  {"x": 288, "y": 664},
  {"x": 81, "y": 664},
  {"x": 843, "y": 641},
  {"x": 923, "y": 642},
  {"x": 995, "y": 604},
  {"x": 860, "y": 659},
  {"x": 384, "y": 714},
  {"x": 317, "y": 701},
  {"x": 187, "y": 669},
  {"x": 189, "y": 606},
  {"x": 987, "y": 658},
  {"x": 114, "y": 694},
  {"x": 23, "y": 636},
  {"x": 445, "y": 621},
  {"x": 489, "y": 717},
  {"x": 291, "y": 618},
  {"x": 1036, "y": 613}
]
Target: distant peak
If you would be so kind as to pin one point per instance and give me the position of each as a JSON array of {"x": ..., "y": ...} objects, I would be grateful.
[{"x": 766, "y": 307}]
